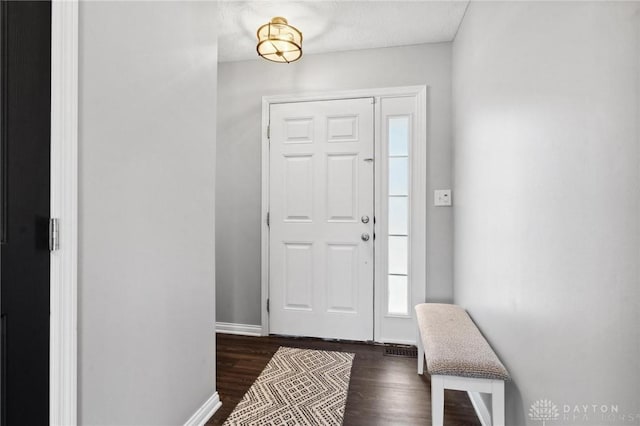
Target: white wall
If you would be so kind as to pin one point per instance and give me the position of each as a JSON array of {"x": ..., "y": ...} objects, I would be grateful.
[
  {"x": 547, "y": 198},
  {"x": 147, "y": 163},
  {"x": 241, "y": 87}
]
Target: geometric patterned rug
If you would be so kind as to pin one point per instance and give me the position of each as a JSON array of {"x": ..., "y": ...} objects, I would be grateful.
[{"x": 297, "y": 387}]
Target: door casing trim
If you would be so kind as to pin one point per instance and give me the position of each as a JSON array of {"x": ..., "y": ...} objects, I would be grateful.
[
  {"x": 63, "y": 343},
  {"x": 419, "y": 92}
]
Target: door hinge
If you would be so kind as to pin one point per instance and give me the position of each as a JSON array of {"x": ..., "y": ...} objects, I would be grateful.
[
  {"x": 54, "y": 234},
  {"x": 267, "y": 305},
  {"x": 268, "y": 220},
  {"x": 268, "y": 131}
]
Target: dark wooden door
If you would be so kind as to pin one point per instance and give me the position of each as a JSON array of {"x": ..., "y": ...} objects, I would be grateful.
[{"x": 25, "y": 102}]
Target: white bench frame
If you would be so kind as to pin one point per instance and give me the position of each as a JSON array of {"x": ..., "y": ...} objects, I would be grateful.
[{"x": 469, "y": 384}]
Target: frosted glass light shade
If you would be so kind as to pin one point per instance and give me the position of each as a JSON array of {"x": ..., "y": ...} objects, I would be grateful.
[{"x": 279, "y": 42}]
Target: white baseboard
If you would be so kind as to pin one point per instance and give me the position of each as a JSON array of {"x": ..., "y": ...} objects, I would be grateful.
[
  {"x": 481, "y": 408},
  {"x": 241, "y": 329},
  {"x": 205, "y": 412}
]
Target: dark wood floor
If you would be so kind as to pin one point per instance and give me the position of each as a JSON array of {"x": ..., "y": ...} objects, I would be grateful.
[{"x": 384, "y": 390}]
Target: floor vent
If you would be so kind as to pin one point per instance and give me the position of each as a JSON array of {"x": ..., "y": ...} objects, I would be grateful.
[{"x": 402, "y": 351}]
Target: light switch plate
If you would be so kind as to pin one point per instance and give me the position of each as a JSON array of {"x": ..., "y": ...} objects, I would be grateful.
[{"x": 442, "y": 197}]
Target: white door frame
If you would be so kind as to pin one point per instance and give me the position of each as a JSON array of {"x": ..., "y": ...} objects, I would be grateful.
[
  {"x": 419, "y": 185},
  {"x": 63, "y": 345}
]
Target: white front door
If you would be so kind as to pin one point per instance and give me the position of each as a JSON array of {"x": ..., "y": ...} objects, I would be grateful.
[{"x": 321, "y": 219}]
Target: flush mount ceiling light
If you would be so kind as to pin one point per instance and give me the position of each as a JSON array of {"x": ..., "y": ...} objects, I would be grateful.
[{"x": 279, "y": 42}]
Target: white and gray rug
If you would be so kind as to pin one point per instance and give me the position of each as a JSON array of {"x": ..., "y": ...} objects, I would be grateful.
[{"x": 297, "y": 387}]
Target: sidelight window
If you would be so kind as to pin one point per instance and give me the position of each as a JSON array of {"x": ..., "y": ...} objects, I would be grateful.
[{"x": 398, "y": 215}]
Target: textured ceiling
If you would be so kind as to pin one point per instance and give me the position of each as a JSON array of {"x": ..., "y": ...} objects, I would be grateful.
[{"x": 329, "y": 26}]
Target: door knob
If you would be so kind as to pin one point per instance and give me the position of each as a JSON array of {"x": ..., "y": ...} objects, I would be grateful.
[
  {"x": 365, "y": 236},
  {"x": 365, "y": 219}
]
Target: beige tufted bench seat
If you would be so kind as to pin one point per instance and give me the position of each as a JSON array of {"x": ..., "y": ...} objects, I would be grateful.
[{"x": 458, "y": 357}]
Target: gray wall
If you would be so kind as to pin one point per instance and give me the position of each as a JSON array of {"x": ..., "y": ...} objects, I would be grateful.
[
  {"x": 547, "y": 206},
  {"x": 147, "y": 161},
  {"x": 241, "y": 87}
]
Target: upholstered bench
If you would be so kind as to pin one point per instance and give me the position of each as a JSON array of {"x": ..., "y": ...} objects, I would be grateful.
[{"x": 458, "y": 357}]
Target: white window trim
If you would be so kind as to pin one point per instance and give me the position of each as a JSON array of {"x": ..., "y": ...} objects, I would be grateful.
[
  {"x": 63, "y": 345},
  {"x": 418, "y": 192},
  {"x": 390, "y": 326}
]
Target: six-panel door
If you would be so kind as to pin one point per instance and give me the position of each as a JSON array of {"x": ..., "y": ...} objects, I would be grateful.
[{"x": 321, "y": 216}]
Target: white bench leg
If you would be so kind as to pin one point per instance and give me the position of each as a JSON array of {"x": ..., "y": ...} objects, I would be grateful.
[
  {"x": 497, "y": 403},
  {"x": 437, "y": 401},
  {"x": 420, "y": 355}
]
